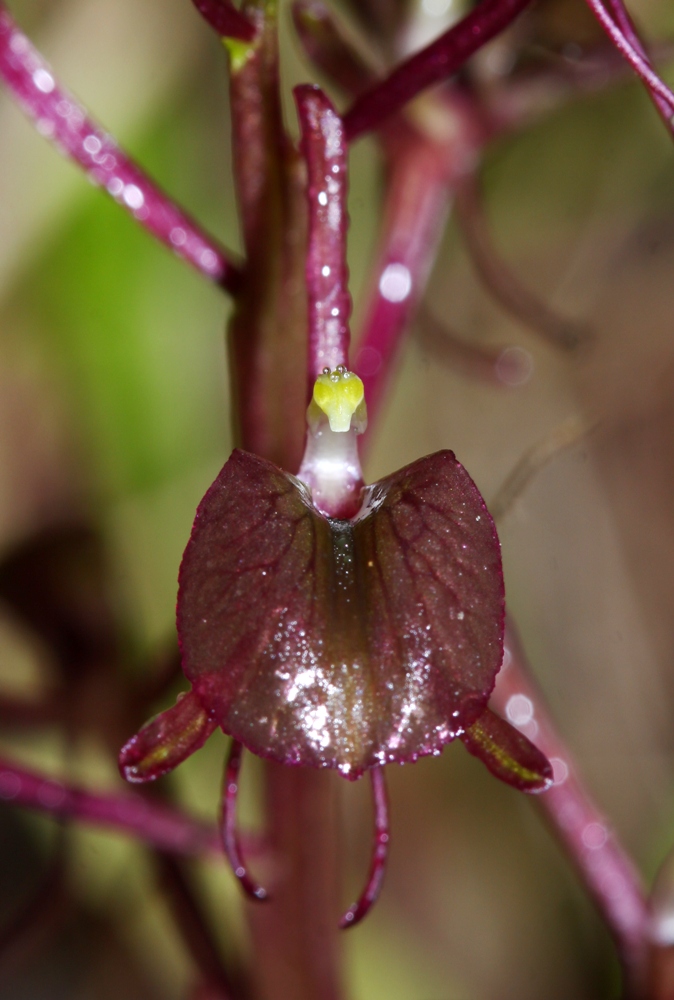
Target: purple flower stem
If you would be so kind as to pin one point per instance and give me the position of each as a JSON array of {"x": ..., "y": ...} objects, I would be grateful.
[
  {"x": 375, "y": 880},
  {"x": 660, "y": 93},
  {"x": 417, "y": 205},
  {"x": 60, "y": 118},
  {"x": 267, "y": 333},
  {"x": 606, "y": 870},
  {"x": 225, "y": 19},
  {"x": 296, "y": 935},
  {"x": 324, "y": 149},
  {"x": 228, "y": 828},
  {"x": 134, "y": 815},
  {"x": 437, "y": 62}
]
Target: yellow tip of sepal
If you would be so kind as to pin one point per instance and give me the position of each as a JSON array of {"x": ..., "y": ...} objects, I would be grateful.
[{"x": 340, "y": 395}]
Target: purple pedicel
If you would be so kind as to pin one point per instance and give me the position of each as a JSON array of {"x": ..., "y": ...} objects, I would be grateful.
[
  {"x": 324, "y": 149},
  {"x": 228, "y": 830},
  {"x": 605, "y": 868},
  {"x": 225, "y": 19},
  {"x": 57, "y": 116},
  {"x": 624, "y": 23},
  {"x": 614, "y": 24},
  {"x": 416, "y": 210},
  {"x": 155, "y": 824},
  {"x": 435, "y": 63},
  {"x": 370, "y": 893}
]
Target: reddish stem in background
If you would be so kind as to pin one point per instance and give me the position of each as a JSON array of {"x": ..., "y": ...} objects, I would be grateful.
[
  {"x": 660, "y": 93},
  {"x": 437, "y": 62},
  {"x": 324, "y": 149},
  {"x": 417, "y": 204},
  {"x": 60, "y": 118},
  {"x": 370, "y": 893},
  {"x": 228, "y": 828},
  {"x": 499, "y": 279},
  {"x": 606, "y": 870},
  {"x": 225, "y": 19},
  {"x": 134, "y": 815}
]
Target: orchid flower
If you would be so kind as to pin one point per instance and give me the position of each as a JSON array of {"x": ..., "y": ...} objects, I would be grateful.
[{"x": 324, "y": 624}]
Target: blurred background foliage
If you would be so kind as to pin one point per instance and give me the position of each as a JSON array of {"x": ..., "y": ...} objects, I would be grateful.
[{"x": 114, "y": 411}]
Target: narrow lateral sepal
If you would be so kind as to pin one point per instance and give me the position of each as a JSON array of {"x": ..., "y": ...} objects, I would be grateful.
[
  {"x": 166, "y": 740},
  {"x": 507, "y": 753}
]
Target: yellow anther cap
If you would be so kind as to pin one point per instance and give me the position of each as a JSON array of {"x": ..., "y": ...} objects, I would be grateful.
[{"x": 340, "y": 395}]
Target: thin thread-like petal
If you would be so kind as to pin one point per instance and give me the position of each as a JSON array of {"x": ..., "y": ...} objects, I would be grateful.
[
  {"x": 60, "y": 118},
  {"x": 375, "y": 880},
  {"x": 228, "y": 828}
]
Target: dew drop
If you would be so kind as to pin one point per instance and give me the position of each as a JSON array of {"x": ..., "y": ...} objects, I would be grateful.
[
  {"x": 92, "y": 145},
  {"x": 43, "y": 80}
]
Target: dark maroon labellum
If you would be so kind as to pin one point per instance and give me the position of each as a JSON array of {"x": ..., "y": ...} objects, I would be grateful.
[{"x": 342, "y": 644}]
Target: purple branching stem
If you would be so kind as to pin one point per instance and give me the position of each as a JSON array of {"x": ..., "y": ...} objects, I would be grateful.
[
  {"x": 422, "y": 172},
  {"x": 437, "y": 62},
  {"x": 60, "y": 118},
  {"x": 606, "y": 870},
  {"x": 370, "y": 893},
  {"x": 296, "y": 934},
  {"x": 135, "y": 815},
  {"x": 325, "y": 152},
  {"x": 225, "y": 19},
  {"x": 228, "y": 827},
  {"x": 499, "y": 279},
  {"x": 634, "y": 54}
]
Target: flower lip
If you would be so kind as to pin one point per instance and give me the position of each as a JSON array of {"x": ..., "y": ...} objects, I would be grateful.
[{"x": 342, "y": 643}]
